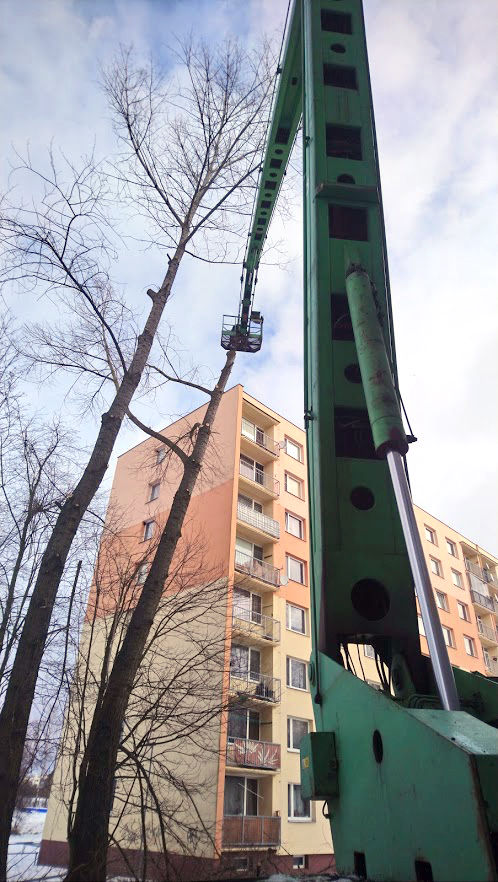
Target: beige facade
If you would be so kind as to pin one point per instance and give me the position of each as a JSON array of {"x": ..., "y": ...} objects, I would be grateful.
[{"x": 250, "y": 511}]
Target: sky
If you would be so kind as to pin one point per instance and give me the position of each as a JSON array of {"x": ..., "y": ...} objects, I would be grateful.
[{"x": 434, "y": 78}]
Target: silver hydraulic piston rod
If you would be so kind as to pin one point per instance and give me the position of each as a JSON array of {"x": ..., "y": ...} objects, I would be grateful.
[{"x": 390, "y": 441}]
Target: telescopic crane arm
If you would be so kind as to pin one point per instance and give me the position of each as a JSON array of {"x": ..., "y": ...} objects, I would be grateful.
[{"x": 410, "y": 781}]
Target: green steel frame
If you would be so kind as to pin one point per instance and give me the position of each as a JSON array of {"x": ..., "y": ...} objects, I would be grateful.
[{"x": 411, "y": 789}]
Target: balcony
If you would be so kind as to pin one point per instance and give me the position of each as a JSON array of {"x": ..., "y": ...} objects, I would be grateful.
[
  {"x": 487, "y": 633},
  {"x": 248, "y": 830},
  {"x": 261, "y": 484},
  {"x": 491, "y": 667},
  {"x": 482, "y": 600},
  {"x": 246, "y": 753},
  {"x": 255, "y": 687},
  {"x": 253, "y": 568},
  {"x": 259, "y": 444},
  {"x": 256, "y": 627},
  {"x": 261, "y": 523}
]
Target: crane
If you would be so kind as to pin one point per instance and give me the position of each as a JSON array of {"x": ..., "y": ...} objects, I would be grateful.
[{"x": 408, "y": 775}]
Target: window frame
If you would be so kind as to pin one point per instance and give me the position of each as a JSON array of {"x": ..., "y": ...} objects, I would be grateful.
[
  {"x": 160, "y": 454},
  {"x": 299, "y": 482},
  {"x": 459, "y": 583},
  {"x": 421, "y": 629},
  {"x": 298, "y": 446},
  {"x": 292, "y": 817},
  {"x": 290, "y": 731},
  {"x": 439, "y": 569},
  {"x": 473, "y": 646},
  {"x": 149, "y": 523},
  {"x": 142, "y": 571},
  {"x": 302, "y": 564},
  {"x": 441, "y": 604},
  {"x": 288, "y": 607},
  {"x": 365, "y": 653},
  {"x": 433, "y": 536},
  {"x": 449, "y": 542},
  {"x": 288, "y": 673},
  {"x": 452, "y": 643},
  {"x": 291, "y": 514},
  {"x": 465, "y": 608},
  {"x": 152, "y": 487}
]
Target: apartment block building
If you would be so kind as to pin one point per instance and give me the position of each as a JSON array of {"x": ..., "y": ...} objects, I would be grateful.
[{"x": 251, "y": 507}]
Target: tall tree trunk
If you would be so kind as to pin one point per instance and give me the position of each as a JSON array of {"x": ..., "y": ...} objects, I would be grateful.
[
  {"x": 16, "y": 709},
  {"x": 88, "y": 841}
]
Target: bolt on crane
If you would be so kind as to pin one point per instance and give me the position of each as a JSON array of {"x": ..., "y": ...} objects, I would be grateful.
[{"x": 409, "y": 774}]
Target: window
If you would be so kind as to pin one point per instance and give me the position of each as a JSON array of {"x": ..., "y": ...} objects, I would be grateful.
[
  {"x": 249, "y": 430},
  {"x": 240, "y": 864},
  {"x": 430, "y": 535},
  {"x": 296, "y": 673},
  {"x": 250, "y": 503},
  {"x": 299, "y": 808},
  {"x": 154, "y": 491},
  {"x": 441, "y": 600},
  {"x": 142, "y": 573},
  {"x": 245, "y": 662},
  {"x": 369, "y": 650},
  {"x": 436, "y": 566},
  {"x": 470, "y": 647},
  {"x": 451, "y": 548},
  {"x": 296, "y": 619},
  {"x": 343, "y": 142},
  {"x": 294, "y": 525},
  {"x": 255, "y": 471},
  {"x": 421, "y": 629},
  {"x": 487, "y": 658},
  {"x": 299, "y": 862},
  {"x": 148, "y": 529},
  {"x": 247, "y": 606},
  {"x": 243, "y": 723},
  {"x": 296, "y": 729},
  {"x": 293, "y": 449},
  {"x": 463, "y": 611},
  {"x": 241, "y": 796},
  {"x": 160, "y": 454},
  {"x": 449, "y": 637},
  {"x": 295, "y": 569},
  {"x": 245, "y": 550},
  {"x": 293, "y": 485},
  {"x": 456, "y": 578}
]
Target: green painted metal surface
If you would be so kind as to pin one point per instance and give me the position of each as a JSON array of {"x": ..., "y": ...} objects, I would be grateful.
[{"x": 412, "y": 789}]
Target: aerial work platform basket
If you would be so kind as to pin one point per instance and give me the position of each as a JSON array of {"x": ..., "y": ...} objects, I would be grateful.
[{"x": 234, "y": 336}]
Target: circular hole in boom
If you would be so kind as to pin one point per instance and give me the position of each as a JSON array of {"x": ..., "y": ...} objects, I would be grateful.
[
  {"x": 378, "y": 747},
  {"x": 346, "y": 179},
  {"x": 370, "y": 599},
  {"x": 338, "y": 47},
  {"x": 352, "y": 373},
  {"x": 362, "y": 498}
]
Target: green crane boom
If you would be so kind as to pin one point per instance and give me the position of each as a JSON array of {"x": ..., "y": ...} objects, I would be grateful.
[{"x": 409, "y": 780}]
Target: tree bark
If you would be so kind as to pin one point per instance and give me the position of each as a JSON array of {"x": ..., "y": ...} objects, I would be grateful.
[
  {"x": 19, "y": 695},
  {"x": 88, "y": 840}
]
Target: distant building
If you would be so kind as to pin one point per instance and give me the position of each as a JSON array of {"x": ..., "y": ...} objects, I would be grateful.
[{"x": 252, "y": 506}]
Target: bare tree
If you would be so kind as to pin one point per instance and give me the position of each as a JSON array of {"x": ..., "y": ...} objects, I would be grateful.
[{"x": 189, "y": 159}]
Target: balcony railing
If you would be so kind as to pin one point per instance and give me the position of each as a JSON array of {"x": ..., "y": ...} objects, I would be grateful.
[
  {"x": 262, "y": 440},
  {"x": 487, "y": 631},
  {"x": 258, "y": 520},
  {"x": 253, "y": 754},
  {"x": 482, "y": 599},
  {"x": 491, "y": 666},
  {"x": 256, "y": 624},
  {"x": 250, "y": 830},
  {"x": 259, "y": 686},
  {"x": 258, "y": 477},
  {"x": 256, "y": 568}
]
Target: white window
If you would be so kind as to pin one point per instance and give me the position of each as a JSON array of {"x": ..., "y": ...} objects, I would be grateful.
[
  {"x": 148, "y": 529},
  {"x": 245, "y": 550},
  {"x": 154, "y": 491},
  {"x": 294, "y": 485},
  {"x": 296, "y": 619},
  {"x": 245, "y": 662},
  {"x": 255, "y": 471},
  {"x": 250, "y": 430},
  {"x": 160, "y": 454},
  {"x": 456, "y": 578},
  {"x": 299, "y": 808},
  {"x": 441, "y": 600},
  {"x": 142, "y": 573},
  {"x": 296, "y": 673},
  {"x": 241, "y": 796},
  {"x": 463, "y": 611},
  {"x": 470, "y": 647},
  {"x": 487, "y": 658},
  {"x": 294, "y": 525},
  {"x": 250, "y": 503},
  {"x": 299, "y": 862},
  {"x": 421, "y": 629},
  {"x": 296, "y": 729},
  {"x": 293, "y": 449},
  {"x": 247, "y": 606},
  {"x": 436, "y": 566},
  {"x": 451, "y": 548},
  {"x": 430, "y": 535},
  {"x": 295, "y": 569},
  {"x": 243, "y": 723},
  {"x": 369, "y": 650},
  {"x": 449, "y": 637}
]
